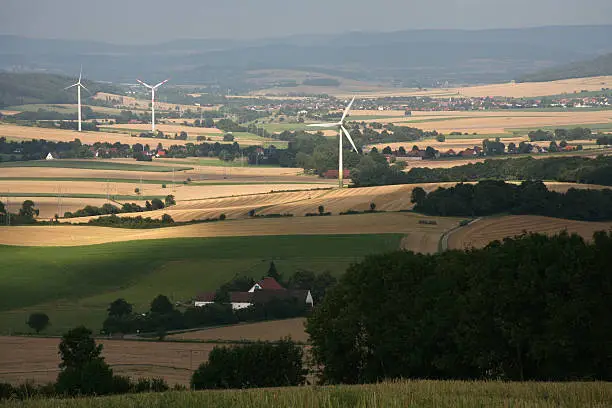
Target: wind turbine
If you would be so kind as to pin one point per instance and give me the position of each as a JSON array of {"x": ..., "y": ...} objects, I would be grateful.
[
  {"x": 341, "y": 129},
  {"x": 152, "y": 88},
  {"x": 79, "y": 85}
]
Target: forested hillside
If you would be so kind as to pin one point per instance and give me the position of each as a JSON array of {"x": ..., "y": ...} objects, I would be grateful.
[
  {"x": 596, "y": 67},
  {"x": 20, "y": 89}
]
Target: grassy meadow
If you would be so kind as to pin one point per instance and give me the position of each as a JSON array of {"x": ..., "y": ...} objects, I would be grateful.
[
  {"x": 74, "y": 285},
  {"x": 93, "y": 165},
  {"x": 415, "y": 393}
]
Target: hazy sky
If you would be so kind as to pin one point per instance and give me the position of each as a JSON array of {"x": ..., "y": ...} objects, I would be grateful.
[{"x": 151, "y": 21}]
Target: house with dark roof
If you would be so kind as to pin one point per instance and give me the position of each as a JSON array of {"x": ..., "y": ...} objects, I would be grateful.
[{"x": 263, "y": 291}]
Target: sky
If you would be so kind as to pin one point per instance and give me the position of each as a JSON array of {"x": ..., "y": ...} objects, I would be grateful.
[{"x": 157, "y": 21}]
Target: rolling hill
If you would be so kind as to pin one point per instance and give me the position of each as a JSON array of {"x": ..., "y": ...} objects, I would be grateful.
[
  {"x": 599, "y": 66},
  {"x": 409, "y": 58}
]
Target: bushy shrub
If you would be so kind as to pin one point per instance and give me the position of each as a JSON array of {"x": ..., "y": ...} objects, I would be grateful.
[{"x": 262, "y": 364}]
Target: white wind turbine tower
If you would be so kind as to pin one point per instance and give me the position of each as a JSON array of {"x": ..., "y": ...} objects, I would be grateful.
[
  {"x": 341, "y": 129},
  {"x": 153, "y": 89},
  {"x": 79, "y": 85}
]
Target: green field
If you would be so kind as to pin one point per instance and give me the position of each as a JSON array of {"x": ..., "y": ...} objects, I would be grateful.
[
  {"x": 93, "y": 165},
  {"x": 74, "y": 285},
  {"x": 415, "y": 393},
  {"x": 61, "y": 108}
]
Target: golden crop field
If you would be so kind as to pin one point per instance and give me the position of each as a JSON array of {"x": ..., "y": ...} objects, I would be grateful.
[
  {"x": 31, "y": 358},
  {"x": 421, "y": 237},
  {"x": 143, "y": 104},
  {"x": 481, "y": 232},
  {"x": 510, "y": 89},
  {"x": 264, "y": 331},
  {"x": 60, "y": 135},
  {"x": 490, "y": 122}
]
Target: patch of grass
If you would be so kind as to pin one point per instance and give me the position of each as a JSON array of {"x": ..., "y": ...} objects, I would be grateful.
[
  {"x": 92, "y": 165},
  {"x": 74, "y": 285},
  {"x": 407, "y": 393}
]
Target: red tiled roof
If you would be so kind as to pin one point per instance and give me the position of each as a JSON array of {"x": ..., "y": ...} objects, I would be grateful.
[{"x": 269, "y": 283}]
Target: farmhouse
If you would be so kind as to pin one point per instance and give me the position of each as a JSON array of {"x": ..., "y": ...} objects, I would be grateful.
[
  {"x": 263, "y": 291},
  {"x": 51, "y": 156}
]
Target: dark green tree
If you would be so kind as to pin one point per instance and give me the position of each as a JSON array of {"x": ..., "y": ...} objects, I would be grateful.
[
  {"x": 38, "y": 321},
  {"x": 28, "y": 210},
  {"x": 119, "y": 308},
  {"x": 161, "y": 305},
  {"x": 273, "y": 273},
  {"x": 157, "y": 204}
]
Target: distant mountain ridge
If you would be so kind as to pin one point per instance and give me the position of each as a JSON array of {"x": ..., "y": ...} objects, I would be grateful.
[
  {"x": 410, "y": 57},
  {"x": 600, "y": 66}
]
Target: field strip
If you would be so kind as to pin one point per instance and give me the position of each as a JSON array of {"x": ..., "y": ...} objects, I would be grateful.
[
  {"x": 79, "y": 195},
  {"x": 376, "y": 223}
]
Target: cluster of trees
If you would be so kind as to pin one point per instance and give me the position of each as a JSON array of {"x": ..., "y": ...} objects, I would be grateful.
[
  {"x": 38, "y": 149},
  {"x": 108, "y": 209},
  {"x": 258, "y": 365},
  {"x": 576, "y": 133},
  {"x": 531, "y": 197},
  {"x": 25, "y": 215},
  {"x": 132, "y": 222},
  {"x": 531, "y": 308},
  {"x": 374, "y": 171},
  {"x": 604, "y": 140}
]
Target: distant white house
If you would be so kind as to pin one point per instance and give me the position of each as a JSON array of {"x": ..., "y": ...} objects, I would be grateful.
[
  {"x": 50, "y": 156},
  {"x": 261, "y": 292}
]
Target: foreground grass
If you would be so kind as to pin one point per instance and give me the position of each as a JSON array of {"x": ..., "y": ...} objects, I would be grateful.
[
  {"x": 92, "y": 165},
  {"x": 74, "y": 285},
  {"x": 426, "y": 394}
]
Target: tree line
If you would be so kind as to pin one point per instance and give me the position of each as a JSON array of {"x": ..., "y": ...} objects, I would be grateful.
[
  {"x": 567, "y": 169},
  {"x": 530, "y": 197},
  {"x": 108, "y": 209},
  {"x": 530, "y": 308}
]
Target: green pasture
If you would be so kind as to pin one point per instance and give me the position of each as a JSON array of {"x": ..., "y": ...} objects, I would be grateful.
[
  {"x": 74, "y": 285},
  {"x": 92, "y": 165}
]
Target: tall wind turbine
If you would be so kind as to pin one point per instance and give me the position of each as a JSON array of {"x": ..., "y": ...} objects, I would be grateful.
[
  {"x": 153, "y": 89},
  {"x": 341, "y": 129},
  {"x": 79, "y": 85}
]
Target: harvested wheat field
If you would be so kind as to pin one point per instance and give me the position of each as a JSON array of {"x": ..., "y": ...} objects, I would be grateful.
[
  {"x": 421, "y": 237},
  {"x": 31, "y": 358},
  {"x": 166, "y": 128},
  {"x": 264, "y": 331},
  {"x": 481, "y": 232},
  {"x": 497, "y": 122},
  {"x": 510, "y": 89},
  {"x": 60, "y": 135}
]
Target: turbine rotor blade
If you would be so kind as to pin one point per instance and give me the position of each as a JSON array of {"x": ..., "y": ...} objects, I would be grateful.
[
  {"x": 323, "y": 124},
  {"x": 161, "y": 83},
  {"x": 346, "y": 111},
  {"x": 80, "y": 73},
  {"x": 71, "y": 86},
  {"x": 144, "y": 83},
  {"x": 348, "y": 136},
  {"x": 83, "y": 86}
]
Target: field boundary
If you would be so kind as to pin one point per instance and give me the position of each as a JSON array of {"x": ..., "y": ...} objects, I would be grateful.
[{"x": 443, "y": 244}]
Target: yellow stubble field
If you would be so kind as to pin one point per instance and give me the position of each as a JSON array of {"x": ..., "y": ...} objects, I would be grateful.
[
  {"x": 420, "y": 237},
  {"x": 31, "y": 358},
  {"x": 481, "y": 232}
]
